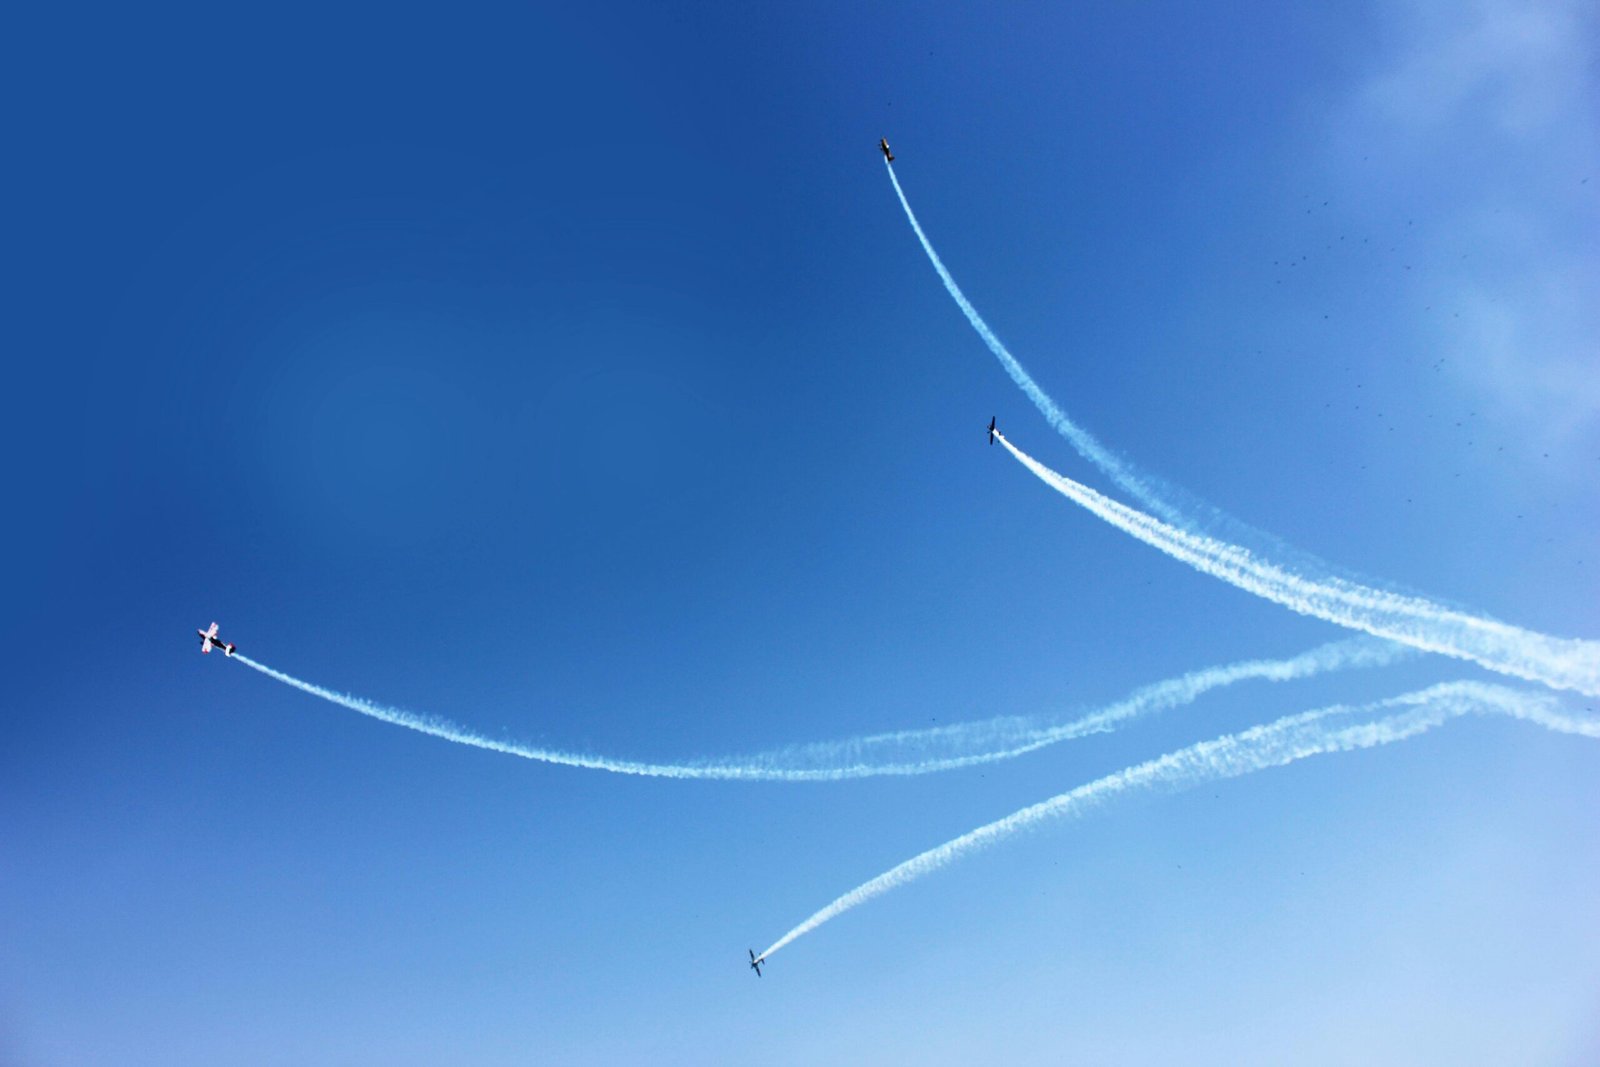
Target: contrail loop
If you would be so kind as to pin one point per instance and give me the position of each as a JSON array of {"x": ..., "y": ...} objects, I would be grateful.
[
  {"x": 1275, "y": 744},
  {"x": 904, "y": 753}
]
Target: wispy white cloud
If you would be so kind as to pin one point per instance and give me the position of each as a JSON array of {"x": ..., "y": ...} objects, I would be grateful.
[
  {"x": 1517, "y": 69},
  {"x": 1482, "y": 117},
  {"x": 1535, "y": 347}
]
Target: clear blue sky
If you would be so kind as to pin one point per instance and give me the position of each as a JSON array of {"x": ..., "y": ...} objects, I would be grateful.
[{"x": 578, "y": 378}]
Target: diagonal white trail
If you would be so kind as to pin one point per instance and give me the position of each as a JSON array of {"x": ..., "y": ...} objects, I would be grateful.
[
  {"x": 1119, "y": 470},
  {"x": 1273, "y": 745},
  {"x": 1562, "y": 663},
  {"x": 905, "y": 753},
  {"x": 1189, "y": 515},
  {"x": 1157, "y": 495}
]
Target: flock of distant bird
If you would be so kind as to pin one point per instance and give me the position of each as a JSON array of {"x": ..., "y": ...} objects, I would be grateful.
[{"x": 1437, "y": 365}]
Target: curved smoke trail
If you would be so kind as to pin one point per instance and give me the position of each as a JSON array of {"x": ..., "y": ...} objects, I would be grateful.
[
  {"x": 1172, "y": 503},
  {"x": 1273, "y": 745},
  {"x": 1562, "y": 663},
  {"x": 1153, "y": 492},
  {"x": 992, "y": 740},
  {"x": 909, "y": 752}
]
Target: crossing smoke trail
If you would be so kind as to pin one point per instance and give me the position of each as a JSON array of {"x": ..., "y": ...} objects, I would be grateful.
[
  {"x": 1273, "y": 745},
  {"x": 992, "y": 740},
  {"x": 1562, "y": 663},
  {"x": 1154, "y": 493},
  {"x": 1177, "y": 506},
  {"x": 905, "y": 753},
  {"x": 1118, "y": 469}
]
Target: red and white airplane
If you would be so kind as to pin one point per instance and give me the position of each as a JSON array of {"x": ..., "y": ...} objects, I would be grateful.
[{"x": 208, "y": 641}]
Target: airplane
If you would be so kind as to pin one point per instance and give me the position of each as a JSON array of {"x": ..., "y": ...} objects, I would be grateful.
[
  {"x": 208, "y": 641},
  {"x": 991, "y": 429},
  {"x": 884, "y": 145},
  {"x": 756, "y": 962}
]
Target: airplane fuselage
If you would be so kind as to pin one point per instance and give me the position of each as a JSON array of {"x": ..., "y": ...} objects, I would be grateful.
[{"x": 210, "y": 641}]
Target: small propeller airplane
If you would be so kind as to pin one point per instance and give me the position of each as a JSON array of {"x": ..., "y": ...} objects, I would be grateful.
[
  {"x": 208, "y": 641},
  {"x": 756, "y": 962},
  {"x": 883, "y": 144},
  {"x": 991, "y": 429}
]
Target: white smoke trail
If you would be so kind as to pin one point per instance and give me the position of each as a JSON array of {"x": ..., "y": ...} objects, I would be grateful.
[
  {"x": 1414, "y": 620},
  {"x": 989, "y": 741},
  {"x": 1273, "y": 745},
  {"x": 905, "y": 753},
  {"x": 1153, "y": 492},
  {"x": 1118, "y": 469},
  {"x": 434, "y": 726},
  {"x": 1174, "y": 504},
  {"x": 1562, "y": 663}
]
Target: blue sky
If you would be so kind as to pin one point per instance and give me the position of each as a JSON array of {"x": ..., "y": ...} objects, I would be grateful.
[{"x": 577, "y": 377}]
